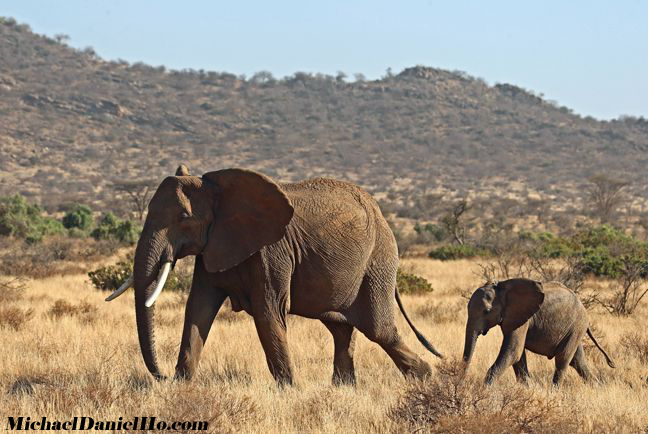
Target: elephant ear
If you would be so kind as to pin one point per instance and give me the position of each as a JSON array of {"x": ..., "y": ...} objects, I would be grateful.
[
  {"x": 521, "y": 299},
  {"x": 250, "y": 211}
]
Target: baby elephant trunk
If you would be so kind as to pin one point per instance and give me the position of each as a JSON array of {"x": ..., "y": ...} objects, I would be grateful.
[{"x": 469, "y": 344}]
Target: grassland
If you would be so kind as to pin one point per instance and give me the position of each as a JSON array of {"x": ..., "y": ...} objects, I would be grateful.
[{"x": 68, "y": 353}]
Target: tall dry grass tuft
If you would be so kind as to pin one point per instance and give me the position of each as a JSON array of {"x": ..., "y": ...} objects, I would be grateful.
[
  {"x": 12, "y": 288},
  {"x": 62, "y": 308},
  {"x": 452, "y": 402},
  {"x": 635, "y": 344},
  {"x": 14, "y": 317},
  {"x": 225, "y": 411}
]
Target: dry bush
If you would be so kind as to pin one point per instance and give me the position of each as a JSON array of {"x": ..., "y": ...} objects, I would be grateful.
[
  {"x": 11, "y": 289},
  {"x": 636, "y": 344},
  {"x": 62, "y": 308},
  {"x": 54, "y": 256},
  {"x": 14, "y": 317},
  {"x": 629, "y": 291},
  {"x": 451, "y": 402},
  {"x": 617, "y": 423},
  {"x": 225, "y": 411},
  {"x": 441, "y": 312}
]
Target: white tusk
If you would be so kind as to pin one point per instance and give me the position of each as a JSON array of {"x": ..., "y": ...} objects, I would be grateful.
[
  {"x": 119, "y": 291},
  {"x": 162, "y": 277}
]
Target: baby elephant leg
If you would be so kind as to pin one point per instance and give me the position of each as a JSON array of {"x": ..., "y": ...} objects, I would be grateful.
[
  {"x": 580, "y": 365},
  {"x": 565, "y": 356}
]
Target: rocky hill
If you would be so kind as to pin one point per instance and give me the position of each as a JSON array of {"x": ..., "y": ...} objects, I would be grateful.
[{"x": 71, "y": 124}]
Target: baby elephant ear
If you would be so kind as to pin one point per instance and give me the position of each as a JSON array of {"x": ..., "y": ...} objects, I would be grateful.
[
  {"x": 250, "y": 212},
  {"x": 522, "y": 299}
]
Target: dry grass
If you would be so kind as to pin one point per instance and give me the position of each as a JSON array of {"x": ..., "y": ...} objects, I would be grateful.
[{"x": 61, "y": 363}]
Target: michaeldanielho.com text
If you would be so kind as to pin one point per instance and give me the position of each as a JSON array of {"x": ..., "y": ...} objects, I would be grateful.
[{"x": 84, "y": 423}]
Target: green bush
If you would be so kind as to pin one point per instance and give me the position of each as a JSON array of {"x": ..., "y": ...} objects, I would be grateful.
[
  {"x": 111, "y": 227},
  {"x": 110, "y": 277},
  {"x": 79, "y": 217},
  {"x": 604, "y": 250},
  {"x": 456, "y": 251},
  {"x": 547, "y": 245},
  {"x": 408, "y": 283},
  {"x": 26, "y": 221},
  {"x": 437, "y": 232}
]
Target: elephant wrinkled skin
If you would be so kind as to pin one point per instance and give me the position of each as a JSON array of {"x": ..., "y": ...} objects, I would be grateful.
[
  {"x": 320, "y": 249},
  {"x": 545, "y": 319}
]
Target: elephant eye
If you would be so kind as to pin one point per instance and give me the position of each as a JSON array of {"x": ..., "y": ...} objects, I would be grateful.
[
  {"x": 487, "y": 311},
  {"x": 184, "y": 215}
]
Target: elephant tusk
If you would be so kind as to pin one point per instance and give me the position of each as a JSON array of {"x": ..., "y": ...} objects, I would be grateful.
[
  {"x": 162, "y": 277},
  {"x": 119, "y": 291}
]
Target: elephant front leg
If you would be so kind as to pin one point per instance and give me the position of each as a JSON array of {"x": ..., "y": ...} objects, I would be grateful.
[
  {"x": 521, "y": 369},
  {"x": 272, "y": 334},
  {"x": 202, "y": 306},
  {"x": 510, "y": 353},
  {"x": 270, "y": 304}
]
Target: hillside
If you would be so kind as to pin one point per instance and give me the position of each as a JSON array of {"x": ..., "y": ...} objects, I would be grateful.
[{"x": 72, "y": 123}]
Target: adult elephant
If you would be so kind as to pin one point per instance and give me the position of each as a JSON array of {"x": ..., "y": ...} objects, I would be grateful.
[{"x": 318, "y": 248}]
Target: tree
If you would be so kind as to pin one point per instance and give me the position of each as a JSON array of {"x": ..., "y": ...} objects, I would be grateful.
[
  {"x": 62, "y": 38},
  {"x": 606, "y": 194},
  {"x": 453, "y": 224},
  {"x": 138, "y": 192}
]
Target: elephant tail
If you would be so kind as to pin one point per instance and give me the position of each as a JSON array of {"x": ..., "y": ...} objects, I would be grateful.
[
  {"x": 607, "y": 358},
  {"x": 418, "y": 334}
]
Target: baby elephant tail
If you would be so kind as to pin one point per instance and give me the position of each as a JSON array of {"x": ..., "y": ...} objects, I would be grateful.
[
  {"x": 418, "y": 334},
  {"x": 607, "y": 358}
]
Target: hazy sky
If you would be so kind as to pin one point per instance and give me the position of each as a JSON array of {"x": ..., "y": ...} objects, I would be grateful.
[{"x": 590, "y": 55}]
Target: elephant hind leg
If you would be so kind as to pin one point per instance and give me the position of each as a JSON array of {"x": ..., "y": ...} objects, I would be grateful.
[
  {"x": 344, "y": 342},
  {"x": 410, "y": 364},
  {"x": 407, "y": 361},
  {"x": 580, "y": 365},
  {"x": 374, "y": 317}
]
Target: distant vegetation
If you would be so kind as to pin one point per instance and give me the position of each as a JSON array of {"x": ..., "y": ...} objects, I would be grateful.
[{"x": 73, "y": 127}]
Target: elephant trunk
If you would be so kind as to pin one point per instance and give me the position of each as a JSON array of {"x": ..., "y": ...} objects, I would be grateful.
[
  {"x": 148, "y": 261},
  {"x": 471, "y": 340}
]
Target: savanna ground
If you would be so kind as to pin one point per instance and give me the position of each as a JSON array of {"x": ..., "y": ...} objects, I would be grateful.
[{"x": 68, "y": 353}]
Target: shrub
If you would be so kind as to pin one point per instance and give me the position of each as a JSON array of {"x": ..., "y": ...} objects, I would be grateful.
[
  {"x": 111, "y": 227},
  {"x": 456, "y": 251},
  {"x": 53, "y": 256},
  {"x": 442, "y": 312},
  {"x": 11, "y": 289},
  {"x": 436, "y": 232},
  {"x": 23, "y": 220},
  {"x": 111, "y": 277},
  {"x": 546, "y": 245},
  {"x": 606, "y": 251},
  {"x": 14, "y": 317},
  {"x": 408, "y": 283},
  {"x": 79, "y": 217},
  {"x": 62, "y": 308},
  {"x": 453, "y": 402},
  {"x": 637, "y": 345}
]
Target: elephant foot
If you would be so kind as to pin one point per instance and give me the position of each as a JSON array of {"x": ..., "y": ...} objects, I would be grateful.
[{"x": 344, "y": 379}]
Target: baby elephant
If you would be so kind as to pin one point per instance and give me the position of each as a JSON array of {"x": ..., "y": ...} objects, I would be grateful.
[{"x": 547, "y": 320}]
